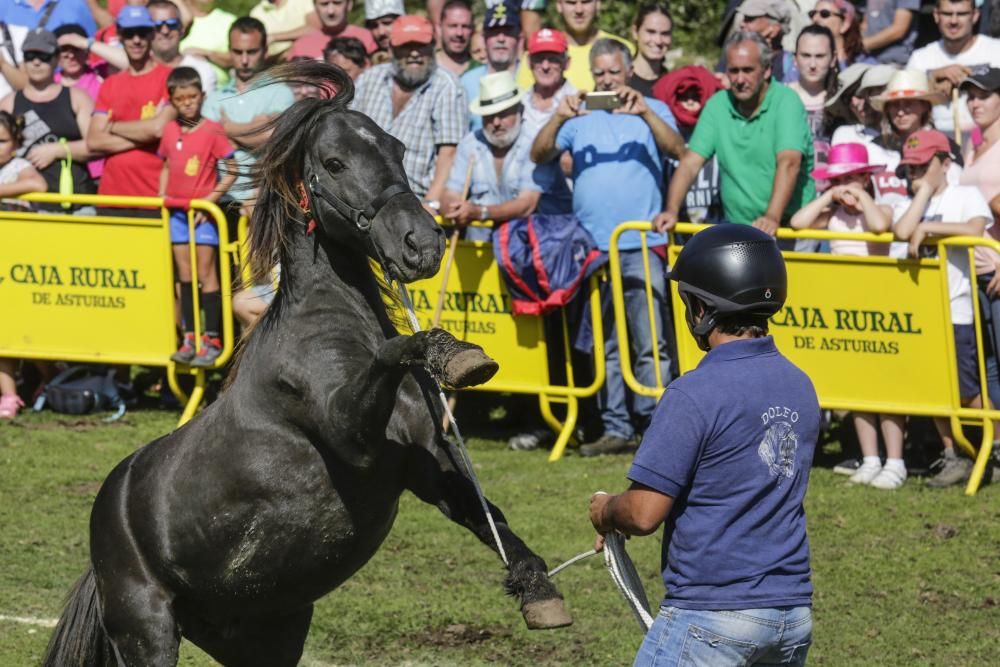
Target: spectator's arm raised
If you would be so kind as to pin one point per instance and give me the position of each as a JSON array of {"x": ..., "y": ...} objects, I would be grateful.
[
  {"x": 544, "y": 148},
  {"x": 634, "y": 103},
  {"x": 113, "y": 55}
]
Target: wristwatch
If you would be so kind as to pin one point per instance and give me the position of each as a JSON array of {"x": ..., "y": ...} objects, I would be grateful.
[
  {"x": 484, "y": 213},
  {"x": 434, "y": 204}
]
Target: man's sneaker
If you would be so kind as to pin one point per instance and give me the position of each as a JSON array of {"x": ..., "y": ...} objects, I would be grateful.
[
  {"x": 954, "y": 471},
  {"x": 890, "y": 478},
  {"x": 866, "y": 473},
  {"x": 211, "y": 349},
  {"x": 609, "y": 444},
  {"x": 848, "y": 467},
  {"x": 531, "y": 439},
  {"x": 186, "y": 352}
]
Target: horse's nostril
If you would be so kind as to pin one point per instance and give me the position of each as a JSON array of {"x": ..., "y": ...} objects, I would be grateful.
[{"x": 410, "y": 242}]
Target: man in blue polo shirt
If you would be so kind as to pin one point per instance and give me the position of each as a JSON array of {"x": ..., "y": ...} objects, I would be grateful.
[
  {"x": 48, "y": 14},
  {"x": 617, "y": 177},
  {"x": 724, "y": 466}
]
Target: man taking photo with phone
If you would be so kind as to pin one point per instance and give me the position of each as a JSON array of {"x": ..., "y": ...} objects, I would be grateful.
[{"x": 618, "y": 157}]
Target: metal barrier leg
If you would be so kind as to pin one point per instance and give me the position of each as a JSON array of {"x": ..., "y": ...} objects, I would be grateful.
[
  {"x": 572, "y": 412},
  {"x": 959, "y": 437},
  {"x": 979, "y": 468},
  {"x": 174, "y": 385},
  {"x": 545, "y": 407},
  {"x": 197, "y": 394}
]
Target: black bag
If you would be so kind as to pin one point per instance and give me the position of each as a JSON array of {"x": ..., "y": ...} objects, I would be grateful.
[{"x": 80, "y": 390}]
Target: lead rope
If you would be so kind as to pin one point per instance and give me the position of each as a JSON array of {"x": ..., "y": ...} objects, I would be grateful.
[{"x": 451, "y": 420}]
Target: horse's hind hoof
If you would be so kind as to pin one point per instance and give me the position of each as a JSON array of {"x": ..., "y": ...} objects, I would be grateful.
[
  {"x": 469, "y": 368},
  {"x": 546, "y": 614}
]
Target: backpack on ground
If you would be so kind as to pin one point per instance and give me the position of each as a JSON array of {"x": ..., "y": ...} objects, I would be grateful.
[{"x": 80, "y": 390}]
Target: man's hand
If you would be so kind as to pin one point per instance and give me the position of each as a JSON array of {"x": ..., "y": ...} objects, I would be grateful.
[
  {"x": 767, "y": 225},
  {"x": 462, "y": 212},
  {"x": 633, "y": 101},
  {"x": 665, "y": 222},
  {"x": 42, "y": 155},
  {"x": 200, "y": 217},
  {"x": 571, "y": 106},
  {"x": 598, "y": 503},
  {"x": 946, "y": 78},
  {"x": 916, "y": 239}
]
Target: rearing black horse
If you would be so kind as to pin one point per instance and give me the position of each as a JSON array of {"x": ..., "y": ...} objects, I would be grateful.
[{"x": 226, "y": 531}]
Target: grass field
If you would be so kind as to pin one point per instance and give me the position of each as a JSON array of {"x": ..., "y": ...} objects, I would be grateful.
[{"x": 904, "y": 578}]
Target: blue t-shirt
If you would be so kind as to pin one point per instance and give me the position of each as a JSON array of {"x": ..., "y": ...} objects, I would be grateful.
[
  {"x": 19, "y": 12},
  {"x": 732, "y": 443},
  {"x": 617, "y": 172},
  {"x": 880, "y": 15},
  {"x": 470, "y": 82}
]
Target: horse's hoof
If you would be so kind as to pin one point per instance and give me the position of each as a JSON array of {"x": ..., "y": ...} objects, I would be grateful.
[
  {"x": 469, "y": 368},
  {"x": 546, "y": 614}
]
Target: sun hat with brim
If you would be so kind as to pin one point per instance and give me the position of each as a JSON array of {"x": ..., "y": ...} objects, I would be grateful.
[
  {"x": 497, "y": 92},
  {"x": 878, "y": 76},
  {"x": 847, "y": 79},
  {"x": 986, "y": 78},
  {"x": 844, "y": 160},
  {"x": 907, "y": 84}
]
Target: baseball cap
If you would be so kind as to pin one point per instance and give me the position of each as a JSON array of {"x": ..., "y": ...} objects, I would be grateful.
[
  {"x": 987, "y": 78},
  {"x": 775, "y": 9},
  {"x": 376, "y": 9},
  {"x": 923, "y": 145},
  {"x": 409, "y": 29},
  {"x": 547, "y": 40},
  {"x": 501, "y": 15},
  {"x": 134, "y": 16},
  {"x": 40, "y": 40}
]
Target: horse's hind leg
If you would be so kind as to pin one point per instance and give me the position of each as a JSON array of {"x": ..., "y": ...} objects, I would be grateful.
[
  {"x": 139, "y": 619},
  {"x": 436, "y": 478},
  {"x": 267, "y": 641}
]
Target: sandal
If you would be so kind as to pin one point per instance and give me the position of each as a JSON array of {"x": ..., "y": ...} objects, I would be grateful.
[{"x": 9, "y": 404}]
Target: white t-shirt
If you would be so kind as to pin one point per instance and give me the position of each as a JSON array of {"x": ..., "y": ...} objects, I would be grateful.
[
  {"x": 984, "y": 51},
  {"x": 17, "y": 35},
  {"x": 9, "y": 174},
  {"x": 956, "y": 205}
]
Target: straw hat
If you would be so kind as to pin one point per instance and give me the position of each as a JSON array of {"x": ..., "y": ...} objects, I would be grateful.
[
  {"x": 497, "y": 92},
  {"x": 846, "y": 159},
  {"x": 907, "y": 84}
]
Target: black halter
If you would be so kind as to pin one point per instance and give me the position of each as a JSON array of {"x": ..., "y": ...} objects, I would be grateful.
[{"x": 360, "y": 218}]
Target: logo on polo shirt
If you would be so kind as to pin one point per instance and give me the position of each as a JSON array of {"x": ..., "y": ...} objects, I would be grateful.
[
  {"x": 780, "y": 443},
  {"x": 148, "y": 111},
  {"x": 191, "y": 166}
]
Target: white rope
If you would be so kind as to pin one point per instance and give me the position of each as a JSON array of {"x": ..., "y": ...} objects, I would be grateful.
[{"x": 404, "y": 295}]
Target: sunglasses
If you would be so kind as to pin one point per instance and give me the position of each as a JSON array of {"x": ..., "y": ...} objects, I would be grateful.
[
  {"x": 128, "y": 33},
  {"x": 824, "y": 14},
  {"x": 38, "y": 55},
  {"x": 170, "y": 24}
]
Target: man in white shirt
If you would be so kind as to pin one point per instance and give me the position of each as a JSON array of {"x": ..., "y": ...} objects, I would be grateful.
[{"x": 950, "y": 59}]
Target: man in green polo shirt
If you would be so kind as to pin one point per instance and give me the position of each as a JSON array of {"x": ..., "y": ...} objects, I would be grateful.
[{"x": 759, "y": 134}]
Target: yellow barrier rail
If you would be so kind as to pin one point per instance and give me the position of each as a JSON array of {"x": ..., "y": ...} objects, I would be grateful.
[
  {"x": 931, "y": 390},
  {"x": 121, "y": 270}
]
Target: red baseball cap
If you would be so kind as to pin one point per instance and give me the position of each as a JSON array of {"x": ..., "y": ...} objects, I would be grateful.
[
  {"x": 921, "y": 146},
  {"x": 547, "y": 40},
  {"x": 409, "y": 29}
]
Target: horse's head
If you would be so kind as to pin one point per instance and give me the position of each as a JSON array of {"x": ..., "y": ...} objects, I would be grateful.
[{"x": 359, "y": 195}]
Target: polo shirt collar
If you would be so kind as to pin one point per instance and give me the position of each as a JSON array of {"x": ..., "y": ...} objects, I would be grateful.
[
  {"x": 768, "y": 96},
  {"x": 740, "y": 349}
]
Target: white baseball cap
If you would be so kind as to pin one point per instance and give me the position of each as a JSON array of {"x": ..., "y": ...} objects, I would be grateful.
[{"x": 376, "y": 9}]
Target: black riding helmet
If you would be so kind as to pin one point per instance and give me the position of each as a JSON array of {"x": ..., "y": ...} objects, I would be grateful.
[{"x": 732, "y": 269}]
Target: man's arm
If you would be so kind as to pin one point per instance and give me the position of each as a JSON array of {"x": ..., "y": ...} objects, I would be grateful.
[
  {"x": 896, "y": 31},
  {"x": 464, "y": 212},
  {"x": 680, "y": 183},
  {"x": 638, "y": 511},
  {"x": 442, "y": 167},
  {"x": 544, "y": 148},
  {"x": 249, "y": 134},
  {"x": 786, "y": 173},
  {"x": 667, "y": 140},
  {"x": 15, "y": 75},
  {"x": 102, "y": 16},
  {"x": 144, "y": 131},
  {"x": 99, "y": 140}
]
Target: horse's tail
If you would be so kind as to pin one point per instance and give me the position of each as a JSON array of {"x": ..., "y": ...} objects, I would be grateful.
[{"x": 79, "y": 639}]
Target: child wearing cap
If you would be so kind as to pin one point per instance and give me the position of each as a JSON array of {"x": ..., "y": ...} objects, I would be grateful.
[
  {"x": 939, "y": 209},
  {"x": 849, "y": 205}
]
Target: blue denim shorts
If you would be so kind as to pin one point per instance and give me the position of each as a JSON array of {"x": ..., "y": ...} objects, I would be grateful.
[
  {"x": 773, "y": 636},
  {"x": 204, "y": 234}
]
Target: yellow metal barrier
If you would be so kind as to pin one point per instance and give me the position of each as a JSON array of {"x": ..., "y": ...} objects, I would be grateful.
[
  {"x": 873, "y": 333},
  {"x": 100, "y": 289}
]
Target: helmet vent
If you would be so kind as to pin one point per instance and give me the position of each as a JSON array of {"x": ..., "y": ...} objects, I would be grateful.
[{"x": 750, "y": 251}]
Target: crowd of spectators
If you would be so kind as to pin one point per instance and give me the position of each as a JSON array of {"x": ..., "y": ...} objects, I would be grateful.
[{"x": 818, "y": 114}]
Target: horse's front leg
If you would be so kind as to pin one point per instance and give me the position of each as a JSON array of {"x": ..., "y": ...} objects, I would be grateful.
[{"x": 360, "y": 409}]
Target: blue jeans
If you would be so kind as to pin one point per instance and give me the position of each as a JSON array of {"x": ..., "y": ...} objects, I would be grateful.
[
  {"x": 614, "y": 397},
  {"x": 989, "y": 308},
  {"x": 776, "y": 636}
]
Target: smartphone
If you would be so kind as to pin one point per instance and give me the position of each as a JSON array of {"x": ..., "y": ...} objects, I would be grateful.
[{"x": 605, "y": 100}]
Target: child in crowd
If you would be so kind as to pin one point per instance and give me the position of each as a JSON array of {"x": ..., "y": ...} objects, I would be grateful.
[
  {"x": 17, "y": 177},
  {"x": 849, "y": 205},
  {"x": 191, "y": 148},
  {"x": 940, "y": 209}
]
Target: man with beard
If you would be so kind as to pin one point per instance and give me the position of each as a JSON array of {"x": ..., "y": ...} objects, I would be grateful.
[
  {"x": 129, "y": 116},
  {"x": 379, "y": 17},
  {"x": 618, "y": 176},
  {"x": 333, "y": 15},
  {"x": 419, "y": 103},
  {"x": 760, "y": 135},
  {"x": 456, "y": 35},
  {"x": 505, "y": 183},
  {"x": 167, "y": 40},
  {"x": 502, "y": 33}
]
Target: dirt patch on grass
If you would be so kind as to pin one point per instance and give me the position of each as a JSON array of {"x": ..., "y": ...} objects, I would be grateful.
[
  {"x": 83, "y": 488},
  {"x": 458, "y": 634}
]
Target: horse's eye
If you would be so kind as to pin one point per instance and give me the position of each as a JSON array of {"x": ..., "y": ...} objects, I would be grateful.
[{"x": 334, "y": 166}]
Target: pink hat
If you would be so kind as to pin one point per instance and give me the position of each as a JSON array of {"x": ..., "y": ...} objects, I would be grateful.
[{"x": 845, "y": 159}]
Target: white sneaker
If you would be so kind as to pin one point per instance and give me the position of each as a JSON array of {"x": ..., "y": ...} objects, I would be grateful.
[
  {"x": 866, "y": 473},
  {"x": 890, "y": 478}
]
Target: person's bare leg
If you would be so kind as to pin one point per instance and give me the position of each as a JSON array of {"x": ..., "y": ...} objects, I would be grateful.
[{"x": 871, "y": 464}]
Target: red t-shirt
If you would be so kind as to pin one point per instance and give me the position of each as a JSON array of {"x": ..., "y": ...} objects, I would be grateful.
[
  {"x": 311, "y": 44},
  {"x": 127, "y": 97},
  {"x": 192, "y": 158}
]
